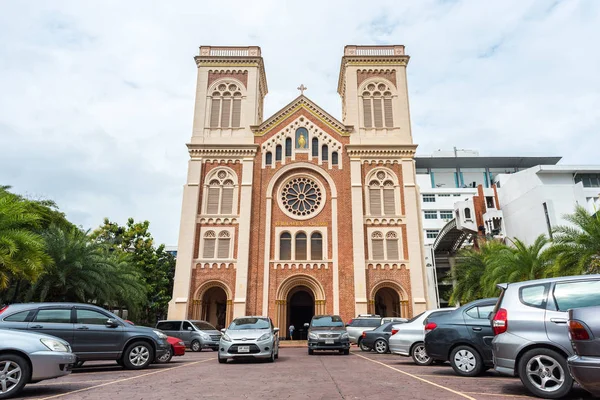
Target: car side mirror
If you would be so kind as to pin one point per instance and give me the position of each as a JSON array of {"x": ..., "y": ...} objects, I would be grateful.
[
  {"x": 275, "y": 330},
  {"x": 111, "y": 323},
  {"x": 306, "y": 324},
  {"x": 223, "y": 330}
]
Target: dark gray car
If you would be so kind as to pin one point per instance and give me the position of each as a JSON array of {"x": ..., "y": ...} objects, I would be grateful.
[
  {"x": 196, "y": 335},
  {"x": 328, "y": 332},
  {"x": 584, "y": 330},
  {"x": 92, "y": 332}
]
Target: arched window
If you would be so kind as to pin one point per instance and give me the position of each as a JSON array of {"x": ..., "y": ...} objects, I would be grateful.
[
  {"x": 288, "y": 147},
  {"x": 324, "y": 153},
  {"x": 285, "y": 246},
  {"x": 334, "y": 158},
  {"x": 224, "y": 244},
  {"x": 226, "y": 106},
  {"x": 300, "y": 246},
  {"x": 316, "y": 246},
  {"x": 377, "y": 106},
  {"x": 315, "y": 147},
  {"x": 278, "y": 152},
  {"x": 467, "y": 213},
  {"x": 377, "y": 245},
  {"x": 382, "y": 194},
  {"x": 385, "y": 248},
  {"x": 220, "y": 193},
  {"x": 210, "y": 240},
  {"x": 269, "y": 158},
  {"x": 391, "y": 246}
]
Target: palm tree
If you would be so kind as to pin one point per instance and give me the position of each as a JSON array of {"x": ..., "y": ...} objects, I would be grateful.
[
  {"x": 577, "y": 247},
  {"x": 22, "y": 249}
]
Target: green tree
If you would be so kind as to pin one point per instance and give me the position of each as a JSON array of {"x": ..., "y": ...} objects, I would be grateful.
[{"x": 577, "y": 248}]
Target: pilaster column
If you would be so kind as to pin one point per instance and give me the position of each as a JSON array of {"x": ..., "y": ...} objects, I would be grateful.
[
  {"x": 179, "y": 306},
  {"x": 228, "y": 313},
  {"x": 243, "y": 254},
  {"x": 358, "y": 237}
]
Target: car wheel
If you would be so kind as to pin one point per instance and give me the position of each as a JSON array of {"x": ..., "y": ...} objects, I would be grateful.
[
  {"x": 277, "y": 354},
  {"x": 165, "y": 358},
  {"x": 221, "y": 360},
  {"x": 419, "y": 355},
  {"x": 545, "y": 373},
  {"x": 466, "y": 361},
  {"x": 137, "y": 356},
  {"x": 381, "y": 346},
  {"x": 311, "y": 352},
  {"x": 78, "y": 364},
  {"x": 363, "y": 346},
  {"x": 14, "y": 374},
  {"x": 195, "y": 346},
  {"x": 346, "y": 352},
  {"x": 272, "y": 358}
]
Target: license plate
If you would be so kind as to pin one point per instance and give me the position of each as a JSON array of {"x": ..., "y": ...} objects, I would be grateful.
[
  {"x": 328, "y": 341},
  {"x": 244, "y": 349}
]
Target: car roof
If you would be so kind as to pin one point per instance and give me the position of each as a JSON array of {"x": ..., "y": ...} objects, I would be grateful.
[
  {"x": 551, "y": 280},
  {"x": 59, "y": 305}
]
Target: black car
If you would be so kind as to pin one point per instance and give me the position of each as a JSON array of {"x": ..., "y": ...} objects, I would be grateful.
[
  {"x": 92, "y": 332},
  {"x": 463, "y": 337},
  {"x": 377, "y": 339},
  {"x": 328, "y": 332}
]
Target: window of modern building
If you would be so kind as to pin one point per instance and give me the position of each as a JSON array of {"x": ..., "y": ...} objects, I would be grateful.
[
  {"x": 382, "y": 194},
  {"x": 472, "y": 177},
  {"x": 431, "y": 214},
  {"x": 226, "y": 106},
  {"x": 377, "y": 106},
  {"x": 385, "y": 247},
  {"x": 489, "y": 201},
  {"x": 220, "y": 193},
  {"x": 285, "y": 246},
  {"x": 324, "y": 153},
  {"x": 457, "y": 195},
  {"x": 443, "y": 194},
  {"x": 334, "y": 158},
  {"x": 288, "y": 147},
  {"x": 446, "y": 214},
  {"x": 269, "y": 158},
  {"x": 588, "y": 180},
  {"x": 315, "y": 147},
  {"x": 467, "y": 213},
  {"x": 432, "y": 233},
  {"x": 429, "y": 198},
  {"x": 301, "y": 246},
  {"x": 316, "y": 246},
  {"x": 445, "y": 178},
  {"x": 278, "y": 152}
]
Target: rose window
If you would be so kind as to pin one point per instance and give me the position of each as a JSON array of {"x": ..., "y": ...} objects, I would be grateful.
[{"x": 301, "y": 197}]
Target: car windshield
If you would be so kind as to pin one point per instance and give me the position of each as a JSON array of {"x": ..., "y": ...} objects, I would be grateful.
[
  {"x": 203, "y": 326},
  {"x": 249, "y": 323},
  {"x": 327, "y": 321}
]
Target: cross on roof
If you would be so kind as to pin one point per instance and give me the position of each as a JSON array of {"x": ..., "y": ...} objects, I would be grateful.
[{"x": 301, "y": 88}]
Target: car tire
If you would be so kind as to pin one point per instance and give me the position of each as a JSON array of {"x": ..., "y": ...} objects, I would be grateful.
[
  {"x": 78, "y": 364},
  {"x": 419, "y": 355},
  {"x": 166, "y": 358},
  {"x": 529, "y": 370},
  {"x": 346, "y": 352},
  {"x": 221, "y": 360},
  {"x": 363, "y": 347},
  {"x": 381, "y": 346},
  {"x": 195, "y": 346},
  {"x": 138, "y": 355},
  {"x": 277, "y": 354},
  {"x": 18, "y": 366},
  {"x": 272, "y": 357},
  {"x": 466, "y": 361},
  {"x": 311, "y": 352}
]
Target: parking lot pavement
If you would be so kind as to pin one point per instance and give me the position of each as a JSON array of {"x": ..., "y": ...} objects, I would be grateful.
[{"x": 296, "y": 375}]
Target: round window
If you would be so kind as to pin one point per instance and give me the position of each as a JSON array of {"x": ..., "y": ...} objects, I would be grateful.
[{"x": 301, "y": 197}]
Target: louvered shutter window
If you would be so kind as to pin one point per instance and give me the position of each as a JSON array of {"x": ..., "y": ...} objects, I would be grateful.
[
  {"x": 387, "y": 108},
  {"x": 375, "y": 200},
  {"x": 367, "y": 112},
  {"x": 392, "y": 249},
  {"x": 227, "y": 201},
  {"x": 223, "y": 251},
  {"x": 214, "y": 113},
  {"x": 377, "y": 112},
  {"x": 225, "y": 113},
  {"x": 300, "y": 246},
  {"x": 212, "y": 204},
  {"x": 236, "y": 113},
  {"x": 209, "y": 246},
  {"x": 315, "y": 147},
  {"x": 285, "y": 246},
  {"x": 389, "y": 201},
  {"x": 378, "y": 249},
  {"x": 316, "y": 246},
  {"x": 288, "y": 147}
]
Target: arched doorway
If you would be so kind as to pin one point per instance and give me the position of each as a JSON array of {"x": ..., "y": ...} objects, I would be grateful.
[
  {"x": 304, "y": 285},
  {"x": 387, "y": 303},
  {"x": 214, "y": 307},
  {"x": 301, "y": 308}
]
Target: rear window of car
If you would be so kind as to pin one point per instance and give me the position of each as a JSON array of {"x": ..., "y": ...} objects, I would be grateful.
[
  {"x": 366, "y": 322},
  {"x": 23, "y": 316},
  {"x": 535, "y": 295},
  {"x": 482, "y": 312},
  {"x": 577, "y": 294},
  {"x": 204, "y": 326},
  {"x": 168, "y": 325}
]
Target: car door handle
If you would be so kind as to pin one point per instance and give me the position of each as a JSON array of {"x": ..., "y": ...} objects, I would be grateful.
[
  {"x": 36, "y": 327},
  {"x": 558, "y": 320},
  {"x": 83, "y": 328},
  {"x": 476, "y": 329}
]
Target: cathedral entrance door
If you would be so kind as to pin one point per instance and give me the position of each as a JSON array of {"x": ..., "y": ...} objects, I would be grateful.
[
  {"x": 214, "y": 307},
  {"x": 301, "y": 309},
  {"x": 387, "y": 303}
]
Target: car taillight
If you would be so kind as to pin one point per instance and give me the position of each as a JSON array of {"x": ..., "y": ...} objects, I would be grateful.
[
  {"x": 2, "y": 309},
  {"x": 578, "y": 331},
  {"x": 349, "y": 322},
  {"x": 500, "y": 321},
  {"x": 394, "y": 331},
  {"x": 364, "y": 334},
  {"x": 430, "y": 326}
]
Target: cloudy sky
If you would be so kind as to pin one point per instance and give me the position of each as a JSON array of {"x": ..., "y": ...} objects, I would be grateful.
[{"x": 96, "y": 97}]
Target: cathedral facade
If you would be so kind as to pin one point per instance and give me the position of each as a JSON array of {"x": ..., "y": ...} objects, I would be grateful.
[{"x": 299, "y": 213}]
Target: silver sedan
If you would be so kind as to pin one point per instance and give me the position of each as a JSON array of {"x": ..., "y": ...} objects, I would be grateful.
[
  {"x": 249, "y": 337},
  {"x": 30, "y": 358}
]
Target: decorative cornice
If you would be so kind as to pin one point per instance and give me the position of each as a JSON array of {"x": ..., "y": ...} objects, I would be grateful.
[
  {"x": 301, "y": 102},
  {"x": 383, "y": 221},
  {"x": 222, "y": 151},
  {"x": 368, "y": 61},
  {"x": 381, "y": 151}
]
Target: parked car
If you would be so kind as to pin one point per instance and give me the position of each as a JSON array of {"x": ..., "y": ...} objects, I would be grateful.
[
  {"x": 463, "y": 337},
  {"x": 530, "y": 323},
  {"x": 249, "y": 337},
  {"x": 361, "y": 324},
  {"x": 177, "y": 349},
  {"x": 397, "y": 320},
  {"x": 584, "y": 330},
  {"x": 409, "y": 340},
  {"x": 327, "y": 332},
  {"x": 196, "y": 335},
  {"x": 92, "y": 332},
  {"x": 29, "y": 358},
  {"x": 377, "y": 339}
]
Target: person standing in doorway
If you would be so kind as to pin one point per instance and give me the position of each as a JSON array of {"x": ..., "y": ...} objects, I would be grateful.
[{"x": 292, "y": 328}]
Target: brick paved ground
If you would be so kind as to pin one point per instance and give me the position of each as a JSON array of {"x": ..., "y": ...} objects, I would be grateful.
[{"x": 294, "y": 376}]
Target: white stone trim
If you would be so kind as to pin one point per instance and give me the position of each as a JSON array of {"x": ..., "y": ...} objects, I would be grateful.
[
  {"x": 236, "y": 191},
  {"x": 358, "y": 237},
  {"x": 308, "y": 230}
]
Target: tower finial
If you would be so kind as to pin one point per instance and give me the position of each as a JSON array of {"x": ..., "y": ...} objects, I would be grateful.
[{"x": 301, "y": 88}]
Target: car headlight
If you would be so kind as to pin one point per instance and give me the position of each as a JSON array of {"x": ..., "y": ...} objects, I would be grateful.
[
  {"x": 160, "y": 334},
  {"x": 266, "y": 336},
  {"x": 181, "y": 343},
  {"x": 225, "y": 338},
  {"x": 313, "y": 336},
  {"x": 345, "y": 336},
  {"x": 55, "y": 345},
  {"x": 204, "y": 336}
]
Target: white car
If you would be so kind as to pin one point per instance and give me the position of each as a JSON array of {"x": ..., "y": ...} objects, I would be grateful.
[
  {"x": 249, "y": 337},
  {"x": 409, "y": 340}
]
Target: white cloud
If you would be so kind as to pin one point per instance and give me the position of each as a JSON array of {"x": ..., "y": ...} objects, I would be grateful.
[{"x": 97, "y": 97}]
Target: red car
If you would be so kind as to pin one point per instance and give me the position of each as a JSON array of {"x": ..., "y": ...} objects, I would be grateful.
[{"x": 177, "y": 349}]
